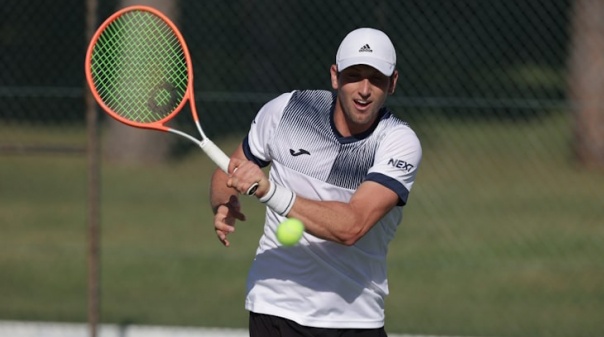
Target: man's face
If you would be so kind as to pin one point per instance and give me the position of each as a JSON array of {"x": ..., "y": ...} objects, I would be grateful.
[{"x": 362, "y": 91}]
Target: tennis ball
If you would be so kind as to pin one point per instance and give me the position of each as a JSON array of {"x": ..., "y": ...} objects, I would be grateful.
[{"x": 290, "y": 231}]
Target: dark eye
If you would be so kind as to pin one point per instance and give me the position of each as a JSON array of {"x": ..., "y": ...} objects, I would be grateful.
[
  {"x": 378, "y": 80},
  {"x": 352, "y": 76}
]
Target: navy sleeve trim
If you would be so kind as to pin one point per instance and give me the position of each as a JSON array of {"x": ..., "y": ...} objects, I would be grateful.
[
  {"x": 393, "y": 184},
  {"x": 250, "y": 156}
]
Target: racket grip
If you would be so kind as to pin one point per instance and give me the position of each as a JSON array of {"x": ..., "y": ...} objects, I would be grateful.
[
  {"x": 216, "y": 154},
  {"x": 222, "y": 160},
  {"x": 252, "y": 189}
]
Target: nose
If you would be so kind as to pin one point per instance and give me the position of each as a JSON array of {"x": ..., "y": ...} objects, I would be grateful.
[{"x": 365, "y": 88}]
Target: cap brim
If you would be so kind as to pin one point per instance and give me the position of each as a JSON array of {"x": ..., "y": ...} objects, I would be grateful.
[{"x": 382, "y": 66}]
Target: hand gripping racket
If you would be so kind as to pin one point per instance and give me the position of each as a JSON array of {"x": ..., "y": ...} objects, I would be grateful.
[{"x": 139, "y": 70}]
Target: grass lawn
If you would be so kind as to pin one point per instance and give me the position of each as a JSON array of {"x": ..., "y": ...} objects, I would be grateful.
[{"x": 503, "y": 236}]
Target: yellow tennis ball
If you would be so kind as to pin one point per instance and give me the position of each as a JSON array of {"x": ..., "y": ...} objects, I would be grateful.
[{"x": 290, "y": 231}]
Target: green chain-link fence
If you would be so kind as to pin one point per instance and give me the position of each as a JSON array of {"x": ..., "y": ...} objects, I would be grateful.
[{"x": 504, "y": 231}]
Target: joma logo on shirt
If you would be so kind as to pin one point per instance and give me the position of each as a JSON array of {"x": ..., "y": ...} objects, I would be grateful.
[{"x": 400, "y": 164}]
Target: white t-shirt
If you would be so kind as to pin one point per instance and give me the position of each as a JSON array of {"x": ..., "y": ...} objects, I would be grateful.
[{"x": 319, "y": 283}]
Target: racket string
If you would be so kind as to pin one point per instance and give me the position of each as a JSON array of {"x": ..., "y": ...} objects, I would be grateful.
[{"x": 139, "y": 68}]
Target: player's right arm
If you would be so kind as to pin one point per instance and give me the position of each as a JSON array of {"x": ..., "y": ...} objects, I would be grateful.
[{"x": 224, "y": 201}]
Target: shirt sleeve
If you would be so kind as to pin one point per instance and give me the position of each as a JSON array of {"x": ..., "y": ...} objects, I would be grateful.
[
  {"x": 397, "y": 159},
  {"x": 257, "y": 143}
]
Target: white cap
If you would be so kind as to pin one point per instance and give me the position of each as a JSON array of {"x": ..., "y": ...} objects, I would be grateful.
[{"x": 367, "y": 46}]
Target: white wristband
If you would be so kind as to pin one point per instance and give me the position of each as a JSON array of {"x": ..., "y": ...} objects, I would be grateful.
[{"x": 279, "y": 199}]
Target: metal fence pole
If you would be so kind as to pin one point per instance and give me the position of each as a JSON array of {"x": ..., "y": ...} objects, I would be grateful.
[{"x": 93, "y": 192}]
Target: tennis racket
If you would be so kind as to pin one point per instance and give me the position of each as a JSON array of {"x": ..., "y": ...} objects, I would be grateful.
[{"x": 139, "y": 70}]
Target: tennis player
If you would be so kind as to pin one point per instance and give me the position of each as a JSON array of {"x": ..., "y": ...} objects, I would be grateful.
[{"x": 344, "y": 165}]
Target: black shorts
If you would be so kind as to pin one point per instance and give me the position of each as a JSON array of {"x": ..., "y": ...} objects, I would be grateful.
[{"x": 272, "y": 326}]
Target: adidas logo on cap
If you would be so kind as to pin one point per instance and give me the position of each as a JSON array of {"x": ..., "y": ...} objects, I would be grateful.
[{"x": 365, "y": 48}]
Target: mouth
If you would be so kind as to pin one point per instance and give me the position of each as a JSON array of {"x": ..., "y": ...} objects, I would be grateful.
[{"x": 361, "y": 104}]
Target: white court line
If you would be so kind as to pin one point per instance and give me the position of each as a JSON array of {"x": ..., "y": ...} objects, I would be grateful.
[{"x": 51, "y": 329}]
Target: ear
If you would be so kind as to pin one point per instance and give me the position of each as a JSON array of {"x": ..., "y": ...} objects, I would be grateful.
[
  {"x": 334, "y": 76},
  {"x": 393, "y": 80}
]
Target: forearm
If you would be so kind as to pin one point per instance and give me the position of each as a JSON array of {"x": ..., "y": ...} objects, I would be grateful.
[
  {"x": 330, "y": 220},
  {"x": 345, "y": 222},
  {"x": 220, "y": 194}
]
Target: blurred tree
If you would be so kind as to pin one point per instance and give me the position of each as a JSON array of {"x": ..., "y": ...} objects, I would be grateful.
[
  {"x": 586, "y": 81},
  {"x": 127, "y": 145}
]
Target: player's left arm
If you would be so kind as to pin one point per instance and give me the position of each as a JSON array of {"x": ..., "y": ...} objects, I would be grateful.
[
  {"x": 346, "y": 222},
  {"x": 387, "y": 185}
]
